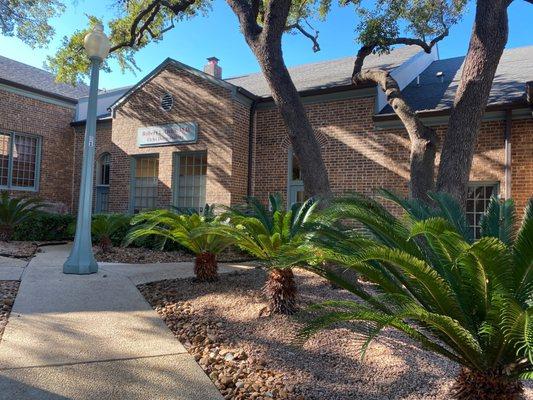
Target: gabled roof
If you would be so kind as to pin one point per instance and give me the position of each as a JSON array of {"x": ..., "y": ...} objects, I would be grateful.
[
  {"x": 326, "y": 74},
  {"x": 169, "y": 61},
  {"x": 509, "y": 86},
  {"x": 14, "y": 73}
]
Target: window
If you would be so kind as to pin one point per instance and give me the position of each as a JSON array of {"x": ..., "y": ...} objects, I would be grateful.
[
  {"x": 19, "y": 161},
  {"x": 102, "y": 183},
  {"x": 479, "y": 194},
  {"x": 145, "y": 178},
  {"x": 190, "y": 172},
  {"x": 104, "y": 163}
]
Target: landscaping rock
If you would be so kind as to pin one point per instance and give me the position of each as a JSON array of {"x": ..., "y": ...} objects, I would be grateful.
[
  {"x": 259, "y": 359},
  {"x": 8, "y": 291}
]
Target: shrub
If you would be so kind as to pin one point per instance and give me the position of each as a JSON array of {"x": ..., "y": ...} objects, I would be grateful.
[
  {"x": 468, "y": 300},
  {"x": 108, "y": 229},
  {"x": 45, "y": 226},
  {"x": 191, "y": 230},
  {"x": 14, "y": 211},
  {"x": 266, "y": 233}
]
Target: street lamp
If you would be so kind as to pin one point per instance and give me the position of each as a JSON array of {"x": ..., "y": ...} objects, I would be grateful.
[{"x": 81, "y": 259}]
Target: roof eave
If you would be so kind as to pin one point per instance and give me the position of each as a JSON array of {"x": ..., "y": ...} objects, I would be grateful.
[
  {"x": 446, "y": 111},
  {"x": 55, "y": 96}
]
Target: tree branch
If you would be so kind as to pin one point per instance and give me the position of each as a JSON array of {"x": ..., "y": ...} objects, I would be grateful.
[
  {"x": 313, "y": 38},
  {"x": 247, "y": 17},
  {"x": 130, "y": 42},
  {"x": 140, "y": 25},
  {"x": 276, "y": 16},
  {"x": 367, "y": 49}
]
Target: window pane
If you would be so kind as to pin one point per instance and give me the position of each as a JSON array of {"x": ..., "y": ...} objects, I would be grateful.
[
  {"x": 24, "y": 161},
  {"x": 296, "y": 171},
  {"x": 4, "y": 158},
  {"x": 191, "y": 181},
  {"x": 145, "y": 185},
  {"x": 476, "y": 204}
]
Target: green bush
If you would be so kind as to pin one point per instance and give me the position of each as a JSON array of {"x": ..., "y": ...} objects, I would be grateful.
[{"x": 44, "y": 226}]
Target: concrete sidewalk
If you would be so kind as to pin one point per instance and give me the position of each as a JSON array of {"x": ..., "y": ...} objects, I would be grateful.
[{"x": 94, "y": 337}]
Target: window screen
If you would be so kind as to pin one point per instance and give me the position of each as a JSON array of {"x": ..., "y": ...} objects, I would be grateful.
[
  {"x": 191, "y": 180},
  {"x": 19, "y": 160},
  {"x": 145, "y": 183},
  {"x": 479, "y": 195}
]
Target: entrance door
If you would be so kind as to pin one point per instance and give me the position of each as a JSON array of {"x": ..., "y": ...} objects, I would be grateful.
[
  {"x": 295, "y": 182},
  {"x": 102, "y": 184}
]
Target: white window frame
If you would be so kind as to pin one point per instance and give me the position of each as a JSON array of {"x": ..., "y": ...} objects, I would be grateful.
[{"x": 474, "y": 185}]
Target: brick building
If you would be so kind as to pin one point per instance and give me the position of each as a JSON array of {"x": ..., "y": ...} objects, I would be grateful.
[{"x": 186, "y": 137}]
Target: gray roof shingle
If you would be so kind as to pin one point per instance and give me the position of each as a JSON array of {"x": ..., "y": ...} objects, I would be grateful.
[
  {"x": 514, "y": 70},
  {"x": 38, "y": 79},
  {"x": 325, "y": 74}
]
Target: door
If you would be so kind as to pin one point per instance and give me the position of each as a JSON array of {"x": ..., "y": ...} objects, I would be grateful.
[
  {"x": 295, "y": 183},
  {"x": 102, "y": 183}
]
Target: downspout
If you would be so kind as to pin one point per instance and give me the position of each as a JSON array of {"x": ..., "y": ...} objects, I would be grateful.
[
  {"x": 507, "y": 149},
  {"x": 251, "y": 133}
]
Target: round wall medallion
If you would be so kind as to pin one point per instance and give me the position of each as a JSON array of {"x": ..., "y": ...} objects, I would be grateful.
[{"x": 167, "y": 101}]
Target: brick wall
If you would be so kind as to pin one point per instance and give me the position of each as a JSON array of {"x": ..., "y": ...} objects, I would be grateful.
[
  {"x": 103, "y": 145},
  {"x": 51, "y": 122},
  {"x": 359, "y": 157},
  {"x": 222, "y": 133},
  {"x": 522, "y": 165}
]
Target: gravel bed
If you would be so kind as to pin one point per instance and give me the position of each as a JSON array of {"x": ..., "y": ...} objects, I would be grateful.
[
  {"x": 140, "y": 255},
  {"x": 18, "y": 249},
  {"x": 8, "y": 291},
  {"x": 214, "y": 319}
]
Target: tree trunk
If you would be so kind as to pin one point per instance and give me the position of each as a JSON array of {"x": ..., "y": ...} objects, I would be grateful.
[
  {"x": 423, "y": 139},
  {"x": 487, "y": 42},
  {"x": 301, "y": 134},
  {"x": 280, "y": 290},
  {"x": 6, "y": 233},
  {"x": 487, "y": 385},
  {"x": 105, "y": 244},
  {"x": 205, "y": 267}
]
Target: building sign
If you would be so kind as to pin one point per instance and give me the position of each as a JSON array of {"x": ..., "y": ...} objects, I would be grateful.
[{"x": 164, "y": 135}]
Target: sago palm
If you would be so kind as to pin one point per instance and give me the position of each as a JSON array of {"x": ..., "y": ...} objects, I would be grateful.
[
  {"x": 104, "y": 226},
  {"x": 266, "y": 233},
  {"x": 470, "y": 301},
  {"x": 192, "y": 231},
  {"x": 14, "y": 211}
]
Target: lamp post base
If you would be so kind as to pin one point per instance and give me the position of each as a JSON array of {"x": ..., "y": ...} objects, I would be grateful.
[{"x": 80, "y": 265}]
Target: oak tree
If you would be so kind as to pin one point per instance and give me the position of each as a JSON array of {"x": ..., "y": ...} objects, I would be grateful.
[{"x": 29, "y": 20}]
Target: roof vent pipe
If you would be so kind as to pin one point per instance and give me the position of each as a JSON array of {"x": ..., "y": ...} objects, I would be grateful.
[{"x": 440, "y": 75}]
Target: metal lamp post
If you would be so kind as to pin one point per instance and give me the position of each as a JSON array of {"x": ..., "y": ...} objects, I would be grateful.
[{"x": 81, "y": 259}]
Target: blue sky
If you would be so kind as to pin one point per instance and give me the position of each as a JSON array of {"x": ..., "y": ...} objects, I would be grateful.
[{"x": 217, "y": 34}]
